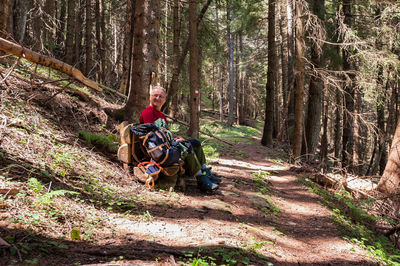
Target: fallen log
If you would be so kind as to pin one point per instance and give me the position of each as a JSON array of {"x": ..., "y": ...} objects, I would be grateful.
[
  {"x": 9, "y": 191},
  {"x": 20, "y": 51}
]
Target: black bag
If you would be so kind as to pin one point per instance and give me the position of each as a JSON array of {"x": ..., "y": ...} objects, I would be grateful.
[{"x": 157, "y": 144}]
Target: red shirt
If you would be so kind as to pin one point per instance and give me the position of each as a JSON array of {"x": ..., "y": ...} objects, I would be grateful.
[{"x": 150, "y": 115}]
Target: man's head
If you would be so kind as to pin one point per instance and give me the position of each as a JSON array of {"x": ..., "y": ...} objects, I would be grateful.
[{"x": 157, "y": 97}]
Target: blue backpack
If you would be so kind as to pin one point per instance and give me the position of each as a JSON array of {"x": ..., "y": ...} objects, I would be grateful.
[
  {"x": 159, "y": 153},
  {"x": 157, "y": 143}
]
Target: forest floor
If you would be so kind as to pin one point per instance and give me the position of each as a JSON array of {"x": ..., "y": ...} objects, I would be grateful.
[{"x": 263, "y": 214}]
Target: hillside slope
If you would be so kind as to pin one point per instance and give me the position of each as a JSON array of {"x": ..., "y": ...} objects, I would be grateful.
[{"x": 75, "y": 205}]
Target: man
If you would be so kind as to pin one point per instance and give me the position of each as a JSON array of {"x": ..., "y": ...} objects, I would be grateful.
[{"x": 195, "y": 162}]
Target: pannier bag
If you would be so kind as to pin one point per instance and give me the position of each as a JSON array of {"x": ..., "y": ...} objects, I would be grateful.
[{"x": 157, "y": 144}]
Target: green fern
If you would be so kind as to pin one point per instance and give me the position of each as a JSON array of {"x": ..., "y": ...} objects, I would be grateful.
[
  {"x": 35, "y": 185},
  {"x": 46, "y": 198}
]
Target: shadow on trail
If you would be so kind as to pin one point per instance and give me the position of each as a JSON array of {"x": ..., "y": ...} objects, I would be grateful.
[
  {"x": 28, "y": 248},
  {"x": 20, "y": 170}
]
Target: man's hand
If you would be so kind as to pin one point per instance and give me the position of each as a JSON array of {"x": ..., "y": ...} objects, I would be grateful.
[{"x": 179, "y": 138}]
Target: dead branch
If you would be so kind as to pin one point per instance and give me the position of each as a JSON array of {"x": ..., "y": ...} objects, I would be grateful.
[
  {"x": 34, "y": 57},
  {"x": 10, "y": 71},
  {"x": 5, "y": 80},
  {"x": 60, "y": 91}
]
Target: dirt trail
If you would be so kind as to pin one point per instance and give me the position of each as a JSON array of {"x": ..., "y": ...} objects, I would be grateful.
[{"x": 295, "y": 229}]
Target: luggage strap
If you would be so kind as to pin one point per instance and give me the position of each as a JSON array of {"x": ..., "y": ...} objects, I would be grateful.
[{"x": 150, "y": 180}]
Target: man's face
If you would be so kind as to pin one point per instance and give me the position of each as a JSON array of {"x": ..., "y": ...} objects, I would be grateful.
[{"x": 157, "y": 98}]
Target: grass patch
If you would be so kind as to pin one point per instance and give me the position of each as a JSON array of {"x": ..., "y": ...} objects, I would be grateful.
[
  {"x": 226, "y": 256},
  {"x": 351, "y": 218},
  {"x": 104, "y": 142},
  {"x": 262, "y": 181}
]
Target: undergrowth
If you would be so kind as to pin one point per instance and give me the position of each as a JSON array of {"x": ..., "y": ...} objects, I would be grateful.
[
  {"x": 224, "y": 256},
  {"x": 351, "y": 217},
  {"x": 105, "y": 142}
]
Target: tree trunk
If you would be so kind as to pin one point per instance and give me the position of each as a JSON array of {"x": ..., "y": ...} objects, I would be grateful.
[
  {"x": 283, "y": 26},
  {"x": 347, "y": 152},
  {"x": 194, "y": 101},
  {"x": 145, "y": 58},
  {"x": 291, "y": 79},
  {"x": 5, "y": 13},
  {"x": 175, "y": 54},
  {"x": 69, "y": 42},
  {"x": 219, "y": 74},
  {"x": 380, "y": 110},
  {"x": 89, "y": 39},
  {"x": 49, "y": 8},
  {"x": 165, "y": 45},
  {"x": 230, "y": 14},
  {"x": 106, "y": 70},
  {"x": 390, "y": 180},
  {"x": 338, "y": 128},
  {"x": 357, "y": 162},
  {"x": 300, "y": 72},
  {"x": 324, "y": 137},
  {"x": 314, "y": 111},
  {"x": 60, "y": 33},
  {"x": 127, "y": 48},
  {"x": 101, "y": 55},
  {"x": 37, "y": 26},
  {"x": 242, "y": 74},
  {"x": 175, "y": 75},
  {"x": 270, "y": 89},
  {"x": 20, "y": 16},
  {"x": 79, "y": 34}
]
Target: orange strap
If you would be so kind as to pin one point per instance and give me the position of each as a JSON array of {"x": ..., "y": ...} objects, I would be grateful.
[
  {"x": 150, "y": 163},
  {"x": 150, "y": 182}
]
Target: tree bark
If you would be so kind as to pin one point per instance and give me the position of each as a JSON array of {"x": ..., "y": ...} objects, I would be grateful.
[
  {"x": 78, "y": 34},
  {"x": 145, "y": 58},
  {"x": 300, "y": 72},
  {"x": 60, "y": 33},
  {"x": 49, "y": 8},
  {"x": 5, "y": 13},
  {"x": 390, "y": 180},
  {"x": 314, "y": 111},
  {"x": 69, "y": 42},
  {"x": 175, "y": 75},
  {"x": 20, "y": 16},
  {"x": 127, "y": 49},
  {"x": 291, "y": 65},
  {"x": 242, "y": 74},
  {"x": 324, "y": 137},
  {"x": 347, "y": 152},
  {"x": 34, "y": 57},
  {"x": 270, "y": 86},
  {"x": 175, "y": 54},
  {"x": 194, "y": 101},
  {"x": 219, "y": 73},
  {"x": 230, "y": 14},
  {"x": 89, "y": 38},
  {"x": 357, "y": 161},
  {"x": 283, "y": 26},
  {"x": 106, "y": 69}
]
